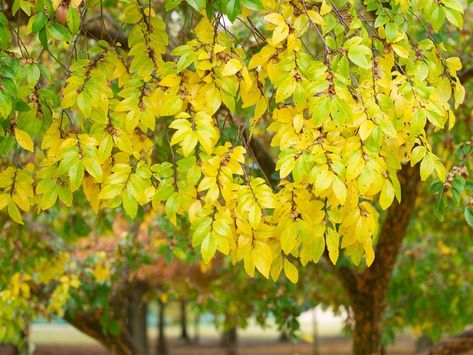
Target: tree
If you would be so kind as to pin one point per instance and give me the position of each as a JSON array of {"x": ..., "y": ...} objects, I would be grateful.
[{"x": 278, "y": 149}]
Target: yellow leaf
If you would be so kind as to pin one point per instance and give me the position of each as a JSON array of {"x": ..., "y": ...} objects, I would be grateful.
[
  {"x": 24, "y": 139},
  {"x": 4, "y": 199},
  {"x": 404, "y": 5},
  {"x": 365, "y": 129},
  {"x": 232, "y": 67},
  {"x": 315, "y": 17},
  {"x": 387, "y": 195},
  {"x": 14, "y": 213},
  {"x": 205, "y": 31},
  {"x": 400, "y": 51},
  {"x": 333, "y": 245},
  {"x": 171, "y": 80},
  {"x": 287, "y": 167},
  {"x": 369, "y": 252},
  {"x": 417, "y": 154},
  {"x": 325, "y": 8},
  {"x": 427, "y": 167},
  {"x": 280, "y": 33},
  {"x": 276, "y": 268},
  {"x": 339, "y": 189},
  {"x": 101, "y": 273},
  {"x": 275, "y": 19},
  {"x": 291, "y": 271},
  {"x": 76, "y": 3}
]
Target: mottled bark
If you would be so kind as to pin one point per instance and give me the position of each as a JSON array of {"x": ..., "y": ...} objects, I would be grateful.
[{"x": 454, "y": 345}]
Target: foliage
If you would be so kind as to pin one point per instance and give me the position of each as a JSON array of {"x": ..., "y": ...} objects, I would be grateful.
[
  {"x": 157, "y": 117},
  {"x": 344, "y": 115}
]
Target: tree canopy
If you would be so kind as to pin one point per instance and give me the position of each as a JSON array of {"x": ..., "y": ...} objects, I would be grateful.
[{"x": 273, "y": 132}]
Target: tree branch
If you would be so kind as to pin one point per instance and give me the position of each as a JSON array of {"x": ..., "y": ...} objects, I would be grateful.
[
  {"x": 454, "y": 345},
  {"x": 112, "y": 36},
  {"x": 466, "y": 75}
]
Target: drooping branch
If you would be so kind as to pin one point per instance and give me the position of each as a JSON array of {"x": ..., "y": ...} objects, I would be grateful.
[
  {"x": 99, "y": 32},
  {"x": 454, "y": 345},
  {"x": 466, "y": 75}
]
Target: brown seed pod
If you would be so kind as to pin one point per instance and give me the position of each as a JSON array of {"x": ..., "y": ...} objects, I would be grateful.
[{"x": 61, "y": 14}]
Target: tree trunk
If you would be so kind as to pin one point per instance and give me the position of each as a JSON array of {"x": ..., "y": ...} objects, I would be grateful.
[
  {"x": 184, "y": 333},
  {"x": 230, "y": 341},
  {"x": 137, "y": 325},
  {"x": 197, "y": 328},
  {"x": 9, "y": 349},
  {"x": 367, "y": 290},
  {"x": 283, "y": 337},
  {"x": 423, "y": 344},
  {"x": 162, "y": 348},
  {"x": 367, "y": 331},
  {"x": 315, "y": 333}
]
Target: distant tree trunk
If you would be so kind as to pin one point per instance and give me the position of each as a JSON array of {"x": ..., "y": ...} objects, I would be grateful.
[
  {"x": 315, "y": 333},
  {"x": 197, "y": 328},
  {"x": 423, "y": 344},
  {"x": 230, "y": 341},
  {"x": 137, "y": 325},
  {"x": 162, "y": 348},
  {"x": 283, "y": 337},
  {"x": 184, "y": 333}
]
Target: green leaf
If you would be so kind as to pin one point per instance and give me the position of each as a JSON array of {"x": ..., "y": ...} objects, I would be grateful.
[
  {"x": 59, "y": 32},
  {"x": 438, "y": 17},
  {"x": 32, "y": 74},
  {"x": 391, "y": 31},
  {"x": 43, "y": 38},
  {"x": 198, "y": 5},
  {"x": 39, "y": 21},
  {"x": 208, "y": 247},
  {"x": 14, "y": 213},
  {"x": 76, "y": 175},
  {"x": 469, "y": 216},
  {"x": 129, "y": 204},
  {"x": 232, "y": 9},
  {"x": 359, "y": 55},
  {"x": 73, "y": 20},
  {"x": 254, "y": 5},
  {"x": 5, "y": 105},
  {"x": 291, "y": 271},
  {"x": 172, "y": 4}
]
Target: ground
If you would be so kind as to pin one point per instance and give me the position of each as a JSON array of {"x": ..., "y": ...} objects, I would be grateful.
[{"x": 326, "y": 346}]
